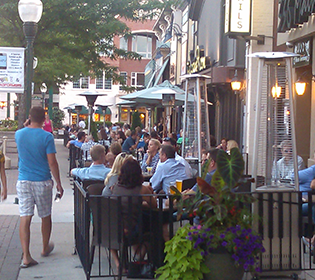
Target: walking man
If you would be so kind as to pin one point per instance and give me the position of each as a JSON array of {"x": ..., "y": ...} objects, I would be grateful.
[{"x": 36, "y": 149}]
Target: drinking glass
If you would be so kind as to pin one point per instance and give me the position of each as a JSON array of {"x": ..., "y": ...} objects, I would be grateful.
[{"x": 179, "y": 185}]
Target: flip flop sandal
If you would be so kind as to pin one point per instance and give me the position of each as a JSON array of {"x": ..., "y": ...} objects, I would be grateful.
[
  {"x": 32, "y": 263},
  {"x": 51, "y": 247}
]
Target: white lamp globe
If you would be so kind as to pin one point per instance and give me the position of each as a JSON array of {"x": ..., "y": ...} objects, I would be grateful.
[{"x": 30, "y": 10}]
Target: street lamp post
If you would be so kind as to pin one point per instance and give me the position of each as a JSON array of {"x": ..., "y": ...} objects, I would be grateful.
[
  {"x": 30, "y": 12},
  {"x": 43, "y": 90}
]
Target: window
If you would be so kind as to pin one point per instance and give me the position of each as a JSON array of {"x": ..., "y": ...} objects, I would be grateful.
[
  {"x": 76, "y": 84},
  {"x": 108, "y": 84},
  {"x": 123, "y": 44},
  {"x": 85, "y": 82},
  {"x": 102, "y": 83},
  {"x": 142, "y": 45},
  {"x": 124, "y": 76},
  {"x": 81, "y": 83},
  {"x": 99, "y": 83},
  {"x": 137, "y": 79}
]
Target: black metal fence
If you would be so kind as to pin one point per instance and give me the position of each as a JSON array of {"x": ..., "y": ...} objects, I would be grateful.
[
  {"x": 281, "y": 221},
  {"x": 104, "y": 225}
]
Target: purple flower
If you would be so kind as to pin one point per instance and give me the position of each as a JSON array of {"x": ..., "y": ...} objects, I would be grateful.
[
  {"x": 222, "y": 235},
  {"x": 224, "y": 243}
]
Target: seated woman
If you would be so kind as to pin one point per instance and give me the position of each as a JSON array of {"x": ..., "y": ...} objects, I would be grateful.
[
  {"x": 129, "y": 183},
  {"x": 112, "y": 177}
]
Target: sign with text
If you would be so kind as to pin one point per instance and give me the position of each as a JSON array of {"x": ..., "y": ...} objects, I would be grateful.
[
  {"x": 303, "y": 48},
  {"x": 12, "y": 69},
  {"x": 237, "y": 17},
  {"x": 294, "y": 13}
]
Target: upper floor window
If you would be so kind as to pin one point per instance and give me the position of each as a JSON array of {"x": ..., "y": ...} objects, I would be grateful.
[
  {"x": 124, "y": 76},
  {"x": 103, "y": 83},
  {"x": 123, "y": 43},
  {"x": 137, "y": 79},
  {"x": 81, "y": 83},
  {"x": 142, "y": 44}
]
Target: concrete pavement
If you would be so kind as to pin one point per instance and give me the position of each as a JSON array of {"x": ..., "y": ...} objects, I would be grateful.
[{"x": 61, "y": 264}]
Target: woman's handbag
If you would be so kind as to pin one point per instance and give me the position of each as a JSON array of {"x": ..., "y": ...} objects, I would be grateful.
[{"x": 141, "y": 270}]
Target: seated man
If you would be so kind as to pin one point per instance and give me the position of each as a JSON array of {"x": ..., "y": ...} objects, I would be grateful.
[
  {"x": 151, "y": 158},
  {"x": 130, "y": 143},
  {"x": 284, "y": 167},
  {"x": 212, "y": 156},
  {"x": 307, "y": 183},
  {"x": 97, "y": 170},
  {"x": 86, "y": 146},
  {"x": 169, "y": 170},
  {"x": 172, "y": 142},
  {"x": 79, "y": 141}
]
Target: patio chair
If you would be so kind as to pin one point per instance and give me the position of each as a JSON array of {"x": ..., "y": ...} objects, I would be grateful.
[
  {"x": 95, "y": 189},
  {"x": 188, "y": 183},
  {"x": 107, "y": 227}
]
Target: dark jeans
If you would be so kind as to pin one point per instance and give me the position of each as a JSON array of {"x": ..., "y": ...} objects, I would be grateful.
[{"x": 305, "y": 210}]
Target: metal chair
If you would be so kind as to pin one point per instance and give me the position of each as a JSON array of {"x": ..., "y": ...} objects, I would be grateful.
[
  {"x": 188, "y": 183},
  {"x": 107, "y": 228}
]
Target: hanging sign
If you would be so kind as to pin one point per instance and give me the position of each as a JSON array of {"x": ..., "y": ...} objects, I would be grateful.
[
  {"x": 237, "y": 17},
  {"x": 12, "y": 69},
  {"x": 304, "y": 49}
]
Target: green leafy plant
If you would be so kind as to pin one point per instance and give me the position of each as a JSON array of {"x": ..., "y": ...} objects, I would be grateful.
[
  {"x": 94, "y": 131},
  {"x": 136, "y": 121},
  {"x": 182, "y": 260},
  {"x": 222, "y": 218},
  {"x": 57, "y": 117}
]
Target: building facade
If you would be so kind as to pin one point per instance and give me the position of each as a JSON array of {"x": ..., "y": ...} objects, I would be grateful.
[{"x": 143, "y": 41}]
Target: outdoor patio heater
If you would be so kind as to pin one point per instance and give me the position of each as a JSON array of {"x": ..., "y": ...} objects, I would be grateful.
[
  {"x": 274, "y": 127},
  {"x": 195, "y": 119},
  {"x": 91, "y": 97}
]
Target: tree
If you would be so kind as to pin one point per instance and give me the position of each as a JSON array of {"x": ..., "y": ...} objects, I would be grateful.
[
  {"x": 58, "y": 117},
  {"x": 72, "y": 34},
  {"x": 136, "y": 121}
]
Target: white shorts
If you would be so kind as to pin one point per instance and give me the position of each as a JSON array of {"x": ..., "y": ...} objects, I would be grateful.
[{"x": 31, "y": 193}]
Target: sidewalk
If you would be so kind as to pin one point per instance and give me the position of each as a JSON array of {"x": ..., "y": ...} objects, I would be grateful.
[{"x": 61, "y": 264}]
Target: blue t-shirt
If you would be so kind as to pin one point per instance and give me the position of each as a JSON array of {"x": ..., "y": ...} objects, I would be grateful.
[
  {"x": 127, "y": 144},
  {"x": 33, "y": 145},
  {"x": 76, "y": 143}
]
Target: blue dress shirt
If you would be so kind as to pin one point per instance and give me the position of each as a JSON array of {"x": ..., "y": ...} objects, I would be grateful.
[
  {"x": 167, "y": 172},
  {"x": 94, "y": 172}
]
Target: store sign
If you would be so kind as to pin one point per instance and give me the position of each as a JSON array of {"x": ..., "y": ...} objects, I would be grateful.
[
  {"x": 12, "y": 69},
  {"x": 237, "y": 17},
  {"x": 293, "y": 13},
  {"x": 304, "y": 49},
  {"x": 200, "y": 61}
]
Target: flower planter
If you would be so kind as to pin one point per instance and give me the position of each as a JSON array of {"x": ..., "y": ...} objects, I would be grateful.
[{"x": 221, "y": 266}]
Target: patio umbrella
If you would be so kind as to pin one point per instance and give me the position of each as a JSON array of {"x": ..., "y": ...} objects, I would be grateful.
[{"x": 165, "y": 85}]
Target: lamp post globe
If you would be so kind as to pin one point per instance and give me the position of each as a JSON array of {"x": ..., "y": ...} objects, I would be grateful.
[{"x": 30, "y": 12}]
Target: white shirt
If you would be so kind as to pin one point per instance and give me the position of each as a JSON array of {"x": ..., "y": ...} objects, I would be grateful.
[{"x": 82, "y": 124}]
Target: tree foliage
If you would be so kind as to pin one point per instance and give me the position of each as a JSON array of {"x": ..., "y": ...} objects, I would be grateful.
[
  {"x": 58, "y": 117},
  {"x": 72, "y": 34},
  {"x": 136, "y": 120}
]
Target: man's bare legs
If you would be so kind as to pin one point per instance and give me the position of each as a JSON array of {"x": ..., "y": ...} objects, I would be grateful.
[
  {"x": 46, "y": 232},
  {"x": 25, "y": 233}
]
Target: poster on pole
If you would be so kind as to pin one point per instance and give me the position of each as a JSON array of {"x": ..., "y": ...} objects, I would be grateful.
[{"x": 12, "y": 69}]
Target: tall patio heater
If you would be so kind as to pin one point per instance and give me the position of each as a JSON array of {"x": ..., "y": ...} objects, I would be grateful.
[
  {"x": 196, "y": 119},
  {"x": 91, "y": 97},
  {"x": 277, "y": 204}
]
